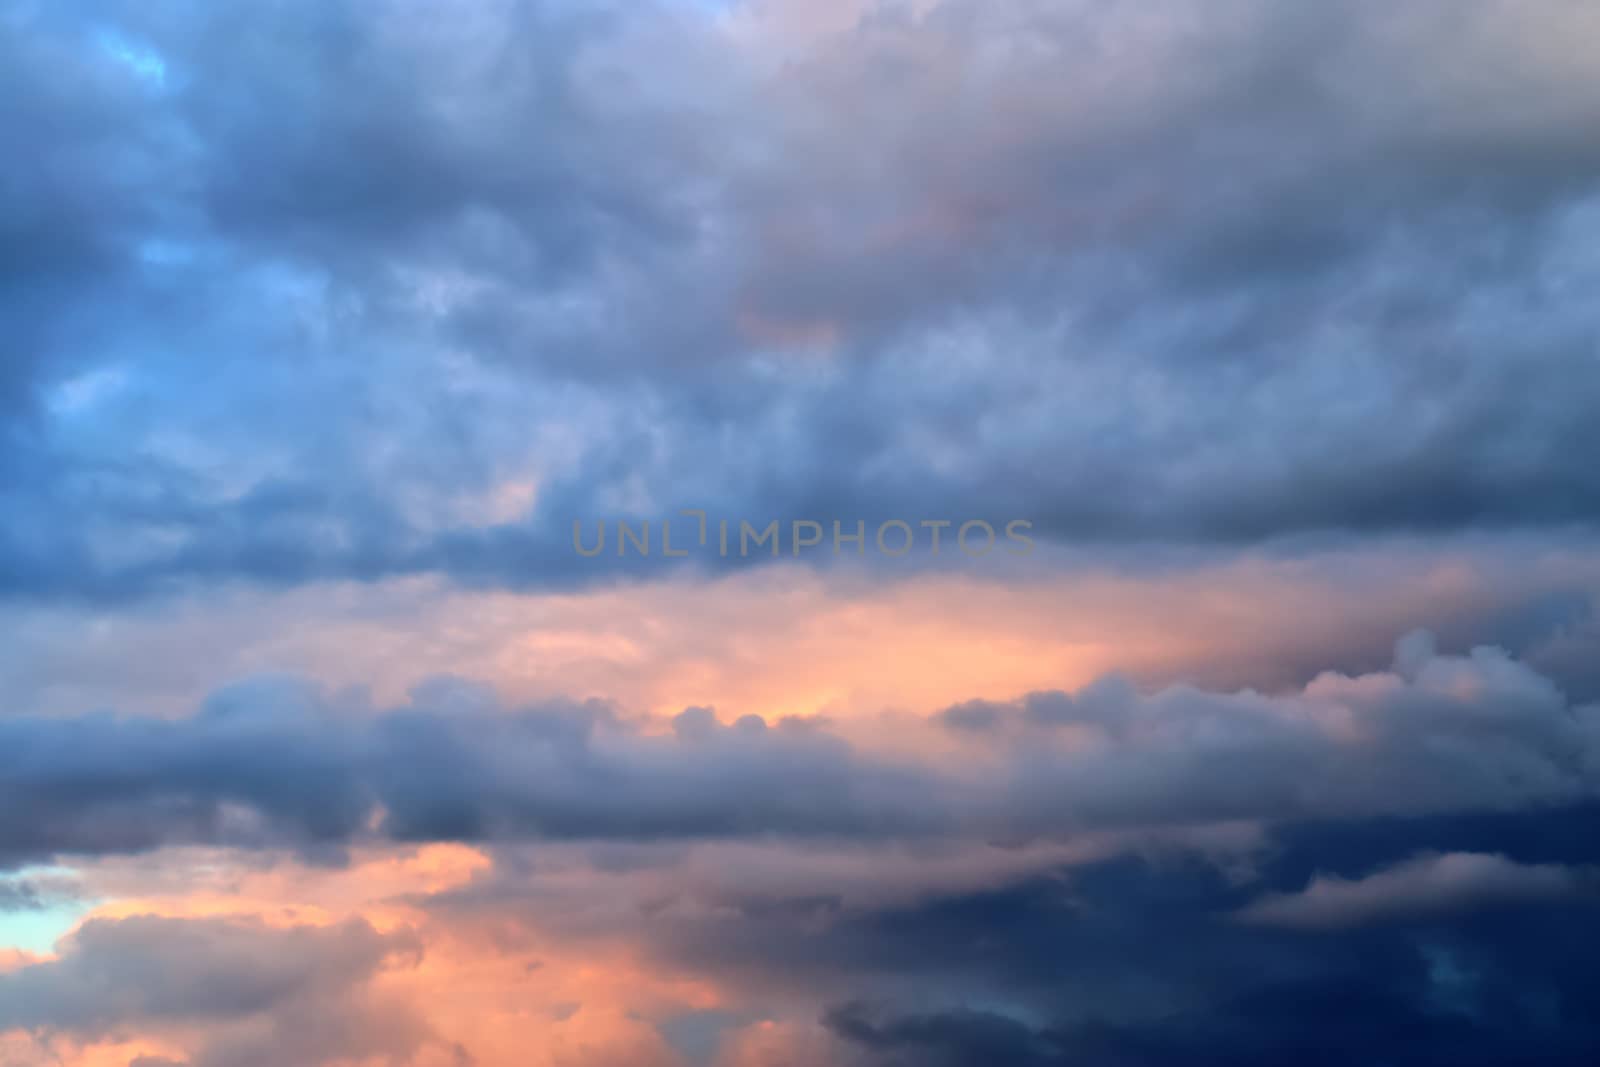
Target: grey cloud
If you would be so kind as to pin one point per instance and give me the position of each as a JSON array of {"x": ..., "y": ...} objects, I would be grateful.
[
  {"x": 19, "y": 896},
  {"x": 1426, "y": 885},
  {"x": 1217, "y": 273},
  {"x": 272, "y": 765},
  {"x": 264, "y": 995}
]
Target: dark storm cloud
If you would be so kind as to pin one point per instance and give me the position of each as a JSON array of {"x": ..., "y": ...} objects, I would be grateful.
[
  {"x": 1217, "y": 273},
  {"x": 1134, "y": 964},
  {"x": 1147, "y": 957},
  {"x": 1141, "y": 961},
  {"x": 1346, "y": 1020},
  {"x": 273, "y": 765}
]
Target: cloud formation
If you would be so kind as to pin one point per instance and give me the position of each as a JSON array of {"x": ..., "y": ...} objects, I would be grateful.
[
  {"x": 264, "y": 994},
  {"x": 1427, "y": 885},
  {"x": 1197, "y": 275},
  {"x": 278, "y": 764},
  {"x": 326, "y": 319}
]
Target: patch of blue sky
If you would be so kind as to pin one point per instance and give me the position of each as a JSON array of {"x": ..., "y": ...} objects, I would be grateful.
[
  {"x": 709, "y": 7},
  {"x": 36, "y": 927},
  {"x": 156, "y": 252}
]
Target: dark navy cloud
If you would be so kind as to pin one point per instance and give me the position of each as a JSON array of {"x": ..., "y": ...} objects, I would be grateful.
[
  {"x": 1143, "y": 961},
  {"x": 1154, "y": 956},
  {"x": 1136, "y": 964}
]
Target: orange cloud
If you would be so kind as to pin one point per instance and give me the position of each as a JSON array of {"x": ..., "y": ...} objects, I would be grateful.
[
  {"x": 792, "y": 640},
  {"x": 504, "y": 995}
]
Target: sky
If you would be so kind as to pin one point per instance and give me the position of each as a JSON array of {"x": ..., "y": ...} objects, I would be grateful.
[{"x": 799, "y": 533}]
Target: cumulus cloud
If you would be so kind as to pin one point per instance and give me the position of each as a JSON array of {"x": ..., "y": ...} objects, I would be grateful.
[{"x": 274, "y": 764}]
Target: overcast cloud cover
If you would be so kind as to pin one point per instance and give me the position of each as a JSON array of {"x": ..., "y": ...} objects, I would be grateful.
[{"x": 326, "y": 320}]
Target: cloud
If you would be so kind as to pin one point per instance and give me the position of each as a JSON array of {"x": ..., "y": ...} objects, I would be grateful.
[
  {"x": 1212, "y": 275},
  {"x": 792, "y": 640},
  {"x": 278, "y": 763},
  {"x": 326, "y": 319},
  {"x": 1427, "y": 885},
  {"x": 1128, "y": 964},
  {"x": 19, "y": 896},
  {"x": 260, "y": 994}
]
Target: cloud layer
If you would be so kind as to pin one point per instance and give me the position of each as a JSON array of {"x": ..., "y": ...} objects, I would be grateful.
[
  {"x": 1191, "y": 275},
  {"x": 328, "y": 319},
  {"x": 277, "y": 764}
]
